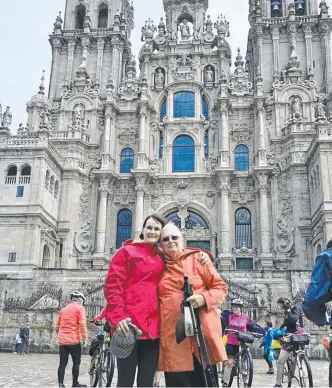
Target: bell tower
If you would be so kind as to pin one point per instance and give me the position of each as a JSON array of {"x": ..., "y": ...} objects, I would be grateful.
[{"x": 185, "y": 10}]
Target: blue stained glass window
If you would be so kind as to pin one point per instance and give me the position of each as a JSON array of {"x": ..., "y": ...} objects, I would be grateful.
[
  {"x": 126, "y": 160},
  {"x": 243, "y": 236},
  {"x": 161, "y": 145},
  {"x": 193, "y": 220},
  {"x": 241, "y": 158},
  {"x": 124, "y": 226},
  {"x": 205, "y": 107},
  {"x": 184, "y": 154},
  {"x": 203, "y": 245},
  {"x": 163, "y": 110},
  {"x": 20, "y": 191},
  {"x": 184, "y": 104}
]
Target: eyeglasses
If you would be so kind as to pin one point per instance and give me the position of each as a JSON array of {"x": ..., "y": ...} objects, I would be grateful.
[{"x": 168, "y": 238}]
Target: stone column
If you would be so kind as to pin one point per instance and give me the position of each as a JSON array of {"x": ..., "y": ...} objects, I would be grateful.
[
  {"x": 115, "y": 61},
  {"x": 141, "y": 159},
  {"x": 262, "y": 136},
  {"x": 106, "y": 145},
  {"x": 259, "y": 35},
  {"x": 224, "y": 152},
  {"x": 276, "y": 49},
  {"x": 100, "y": 57},
  {"x": 71, "y": 50},
  {"x": 139, "y": 211},
  {"x": 308, "y": 46},
  {"x": 326, "y": 41},
  {"x": 102, "y": 217},
  {"x": 56, "y": 48}
]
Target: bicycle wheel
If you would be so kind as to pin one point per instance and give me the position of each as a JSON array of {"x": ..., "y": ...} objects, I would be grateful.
[
  {"x": 94, "y": 371},
  {"x": 304, "y": 371},
  {"x": 110, "y": 368},
  {"x": 231, "y": 377},
  {"x": 289, "y": 372},
  {"x": 245, "y": 370},
  {"x": 102, "y": 379}
]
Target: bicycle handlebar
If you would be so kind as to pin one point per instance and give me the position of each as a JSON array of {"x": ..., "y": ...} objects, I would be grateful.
[
  {"x": 97, "y": 323},
  {"x": 256, "y": 335}
]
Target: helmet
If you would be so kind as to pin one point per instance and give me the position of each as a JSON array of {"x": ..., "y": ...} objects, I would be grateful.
[
  {"x": 236, "y": 302},
  {"x": 286, "y": 302},
  {"x": 77, "y": 295}
]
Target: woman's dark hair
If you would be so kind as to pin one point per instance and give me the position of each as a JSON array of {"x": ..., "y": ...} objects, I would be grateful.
[
  {"x": 285, "y": 302},
  {"x": 329, "y": 245},
  {"x": 269, "y": 323},
  {"x": 157, "y": 217}
]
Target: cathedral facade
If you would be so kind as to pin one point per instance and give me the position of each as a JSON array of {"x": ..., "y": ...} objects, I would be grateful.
[{"x": 238, "y": 157}]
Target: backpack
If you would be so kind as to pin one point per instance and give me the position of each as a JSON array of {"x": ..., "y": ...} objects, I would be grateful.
[{"x": 319, "y": 290}]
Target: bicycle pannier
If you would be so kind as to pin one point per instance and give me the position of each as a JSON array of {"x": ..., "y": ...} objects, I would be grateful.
[
  {"x": 299, "y": 339},
  {"x": 245, "y": 337}
]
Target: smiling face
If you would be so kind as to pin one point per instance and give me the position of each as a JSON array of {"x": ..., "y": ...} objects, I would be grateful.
[
  {"x": 151, "y": 232},
  {"x": 236, "y": 309},
  {"x": 171, "y": 241}
]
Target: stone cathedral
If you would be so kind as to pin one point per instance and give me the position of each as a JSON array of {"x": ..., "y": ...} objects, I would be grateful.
[{"x": 234, "y": 148}]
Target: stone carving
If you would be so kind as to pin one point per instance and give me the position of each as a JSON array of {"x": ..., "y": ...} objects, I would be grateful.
[
  {"x": 172, "y": 35},
  {"x": 128, "y": 137},
  {"x": 239, "y": 82},
  {"x": 46, "y": 298},
  {"x": 6, "y": 118},
  {"x": 68, "y": 90},
  {"x": 93, "y": 88},
  {"x": 85, "y": 201},
  {"x": 148, "y": 31},
  {"x": 159, "y": 78},
  {"x": 129, "y": 88},
  {"x": 184, "y": 67},
  {"x": 222, "y": 26},
  {"x": 46, "y": 118},
  {"x": 209, "y": 76},
  {"x": 285, "y": 78},
  {"x": 320, "y": 111},
  {"x": 208, "y": 34},
  {"x": 197, "y": 32},
  {"x": 185, "y": 30},
  {"x": 101, "y": 118},
  {"x": 285, "y": 237},
  {"x": 83, "y": 241}
]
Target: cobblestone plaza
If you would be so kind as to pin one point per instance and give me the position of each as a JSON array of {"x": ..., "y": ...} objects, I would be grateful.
[{"x": 40, "y": 370}]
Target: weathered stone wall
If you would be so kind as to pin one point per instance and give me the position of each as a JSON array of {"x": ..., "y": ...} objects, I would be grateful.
[{"x": 34, "y": 299}]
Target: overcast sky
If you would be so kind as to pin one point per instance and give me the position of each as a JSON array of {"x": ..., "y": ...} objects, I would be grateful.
[{"x": 25, "y": 50}]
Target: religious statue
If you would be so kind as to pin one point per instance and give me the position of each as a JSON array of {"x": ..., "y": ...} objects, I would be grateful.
[
  {"x": 185, "y": 30},
  {"x": 296, "y": 108},
  {"x": 320, "y": 111},
  {"x": 78, "y": 116},
  {"x": 196, "y": 32},
  {"x": 6, "y": 118},
  {"x": 172, "y": 35},
  {"x": 209, "y": 74},
  {"x": 45, "y": 117},
  {"x": 159, "y": 78}
]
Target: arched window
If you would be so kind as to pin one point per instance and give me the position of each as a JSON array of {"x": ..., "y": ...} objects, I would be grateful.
[
  {"x": 26, "y": 171},
  {"x": 163, "y": 110},
  {"x": 11, "y": 175},
  {"x": 193, "y": 220},
  {"x": 47, "y": 179},
  {"x": 126, "y": 160},
  {"x": 56, "y": 189},
  {"x": 300, "y": 7},
  {"x": 184, "y": 104},
  {"x": 124, "y": 226},
  {"x": 243, "y": 236},
  {"x": 80, "y": 15},
  {"x": 184, "y": 154},
  {"x": 205, "y": 108},
  {"x": 241, "y": 158},
  {"x": 25, "y": 175},
  {"x": 276, "y": 8},
  {"x": 103, "y": 16},
  {"x": 174, "y": 218}
]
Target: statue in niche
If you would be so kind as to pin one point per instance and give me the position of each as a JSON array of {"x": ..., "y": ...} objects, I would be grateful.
[
  {"x": 296, "y": 109},
  {"x": 78, "y": 116},
  {"x": 172, "y": 35},
  {"x": 321, "y": 115},
  {"x": 7, "y": 118},
  {"x": 185, "y": 30},
  {"x": 159, "y": 78},
  {"x": 209, "y": 74},
  {"x": 45, "y": 117},
  {"x": 196, "y": 32}
]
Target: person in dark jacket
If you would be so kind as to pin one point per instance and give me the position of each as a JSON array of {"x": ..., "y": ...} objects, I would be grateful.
[{"x": 291, "y": 324}]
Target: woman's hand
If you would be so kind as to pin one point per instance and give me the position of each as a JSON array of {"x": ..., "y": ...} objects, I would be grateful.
[
  {"x": 122, "y": 328},
  {"x": 197, "y": 301},
  {"x": 204, "y": 259}
]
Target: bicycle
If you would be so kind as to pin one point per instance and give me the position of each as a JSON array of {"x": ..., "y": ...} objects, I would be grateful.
[
  {"x": 297, "y": 366},
  {"x": 243, "y": 367},
  {"x": 103, "y": 361}
]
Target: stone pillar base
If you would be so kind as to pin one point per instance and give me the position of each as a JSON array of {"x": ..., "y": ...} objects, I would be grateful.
[
  {"x": 266, "y": 261},
  {"x": 225, "y": 261},
  {"x": 100, "y": 261},
  {"x": 85, "y": 261}
]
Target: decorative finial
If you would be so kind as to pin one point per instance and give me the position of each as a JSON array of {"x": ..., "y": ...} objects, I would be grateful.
[{"x": 42, "y": 85}]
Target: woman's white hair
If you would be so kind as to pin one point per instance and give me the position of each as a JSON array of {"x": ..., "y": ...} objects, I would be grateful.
[{"x": 170, "y": 225}]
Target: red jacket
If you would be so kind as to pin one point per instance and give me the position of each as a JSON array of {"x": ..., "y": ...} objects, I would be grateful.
[{"x": 131, "y": 287}]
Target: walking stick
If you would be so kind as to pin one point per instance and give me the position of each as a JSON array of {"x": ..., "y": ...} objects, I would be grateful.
[{"x": 198, "y": 332}]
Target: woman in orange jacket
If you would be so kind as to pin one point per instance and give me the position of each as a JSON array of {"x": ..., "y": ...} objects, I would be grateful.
[{"x": 180, "y": 361}]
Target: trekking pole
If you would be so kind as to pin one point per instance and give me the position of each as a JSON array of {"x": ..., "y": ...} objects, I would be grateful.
[{"x": 198, "y": 331}]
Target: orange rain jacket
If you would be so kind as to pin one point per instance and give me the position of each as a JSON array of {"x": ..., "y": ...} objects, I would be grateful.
[
  {"x": 71, "y": 325},
  {"x": 206, "y": 281}
]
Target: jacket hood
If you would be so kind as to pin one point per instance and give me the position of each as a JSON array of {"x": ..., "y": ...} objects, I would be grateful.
[{"x": 132, "y": 242}]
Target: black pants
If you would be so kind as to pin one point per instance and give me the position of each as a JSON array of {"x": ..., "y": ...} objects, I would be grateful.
[
  {"x": 145, "y": 357},
  {"x": 193, "y": 378},
  {"x": 330, "y": 371},
  {"x": 269, "y": 363},
  {"x": 75, "y": 351}
]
